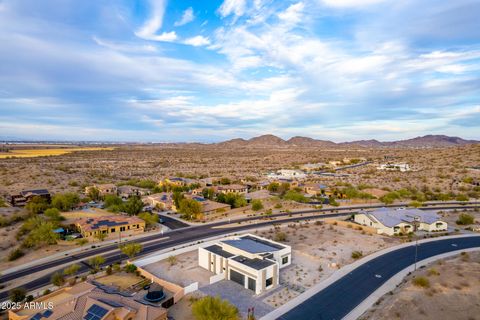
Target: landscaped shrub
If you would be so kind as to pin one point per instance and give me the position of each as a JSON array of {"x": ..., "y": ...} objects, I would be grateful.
[
  {"x": 465, "y": 219},
  {"x": 357, "y": 254}
]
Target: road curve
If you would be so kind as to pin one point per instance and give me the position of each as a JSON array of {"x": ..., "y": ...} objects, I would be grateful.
[
  {"x": 338, "y": 299},
  {"x": 178, "y": 237}
]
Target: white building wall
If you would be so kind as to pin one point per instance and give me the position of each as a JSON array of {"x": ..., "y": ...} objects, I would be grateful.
[{"x": 203, "y": 258}]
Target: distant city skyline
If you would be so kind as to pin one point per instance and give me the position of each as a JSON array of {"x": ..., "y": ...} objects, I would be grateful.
[{"x": 191, "y": 71}]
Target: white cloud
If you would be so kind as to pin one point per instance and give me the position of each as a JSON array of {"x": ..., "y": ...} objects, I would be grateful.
[
  {"x": 126, "y": 47},
  {"x": 236, "y": 7},
  {"x": 197, "y": 41},
  {"x": 187, "y": 17},
  {"x": 293, "y": 14},
  {"x": 154, "y": 24},
  {"x": 350, "y": 3}
]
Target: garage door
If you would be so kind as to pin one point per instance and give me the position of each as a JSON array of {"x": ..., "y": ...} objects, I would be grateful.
[{"x": 237, "y": 277}]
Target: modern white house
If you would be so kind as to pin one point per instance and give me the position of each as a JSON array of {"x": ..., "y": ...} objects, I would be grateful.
[
  {"x": 287, "y": 174},
  {"x": 394, "y": 221},
  {"x": 402, "y": 167},
  {"x": 251, "y": 261}
]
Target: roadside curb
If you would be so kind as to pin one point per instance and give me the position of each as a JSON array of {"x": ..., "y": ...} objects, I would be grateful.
[{"x": 344, "y": 271}]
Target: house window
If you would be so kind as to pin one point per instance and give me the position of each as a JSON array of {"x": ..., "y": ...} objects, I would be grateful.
[
  {"x": 268, "y": 282},
  {"x": 285, "y": 260},
  {"x": 122, "y": 228},
  {"x": 112, "y": 230}
]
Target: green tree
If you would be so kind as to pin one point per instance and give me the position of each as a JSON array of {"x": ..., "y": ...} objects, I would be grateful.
[
  {"x": 415, "y": 204},
  {"x": 57, "y": 279},
  {"x": 71, "y": 270},
  {"x": 65, "y": 201},
  {"x": 208, "y": 308},
  {"x": 53, "y": 214},
  {"x": 37, "y": 205},
  {"x": 93, "y": 193},
  {"x": 112, "y": 200},
  {"x": 295, "y": 196},
  {"x": 208, "y": 193},
  {"x": 133, "y": 206},
  {"x": 17, "y": 294},
  {"x": 190, "y": 209},
  {"x": 41, "y": 235},
  {"x": 461, "y": 197},
  {"x": 257, "y": 205},
  {"x": 96, "y": 261},
  {"x": 15, "y": 254},
  {"x": 225, "y": 181},
  {"x": 149, "y": 218},
  {"x": 131, "y": 249},
  {"x": 273, "y": 187},
  {"x": 177, "y": 197}
]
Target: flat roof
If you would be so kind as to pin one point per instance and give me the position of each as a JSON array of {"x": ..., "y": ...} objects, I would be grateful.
[
  {"x": 257, "y": 264},
  {"x": 253, "y": 245},
  {"x": 218, "y": 250}
]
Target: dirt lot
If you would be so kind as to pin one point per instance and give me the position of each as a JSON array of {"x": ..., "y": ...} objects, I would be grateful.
[
  {"x": 318, "y": 250},
  {"x": 183, "y": 272},
  {"x": 451, "y": 217},
  {"x": 71, "y": 216},
  {"x": 122, "y": 280},
  {"x": 453, "y": 293}
]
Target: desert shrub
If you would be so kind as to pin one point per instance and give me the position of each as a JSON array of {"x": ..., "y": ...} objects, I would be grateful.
[
  {"x": 17, "y": 294},
  {"x": 15, "y": 254},
  {"x": 357, "y": 254},
  {"x": 57, "y": 279},
  {"x": 465, "y": 219},
  {"x": 421, "y": 282},
  {"x": 257, "y": 205},
  {"x": 130, "y": 268},
  {"x": 280, "y": 236}
]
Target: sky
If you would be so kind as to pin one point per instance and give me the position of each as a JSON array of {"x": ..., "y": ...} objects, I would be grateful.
[{"x": 206, "y": 71}]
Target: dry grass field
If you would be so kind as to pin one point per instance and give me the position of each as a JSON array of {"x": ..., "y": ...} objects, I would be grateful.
[{"x": 32, "y": 153}]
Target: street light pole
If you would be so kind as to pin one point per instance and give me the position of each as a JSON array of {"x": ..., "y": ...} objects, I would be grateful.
[{"x": 416, "y": 242}]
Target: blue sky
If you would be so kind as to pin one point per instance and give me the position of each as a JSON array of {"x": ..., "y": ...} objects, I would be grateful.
[{"x": 205, "y": 71}]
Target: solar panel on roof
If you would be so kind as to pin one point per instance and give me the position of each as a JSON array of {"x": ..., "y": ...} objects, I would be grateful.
[
  {"x": 95, "y": 312},
  {"x": 47, "y": 313},
  {"x": 37, "y": 316}
]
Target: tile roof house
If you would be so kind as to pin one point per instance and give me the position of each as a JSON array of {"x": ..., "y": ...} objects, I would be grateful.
[
  {"x": 248, "y": 260},
  {"x": 394, "y": 221},
  {"x": 104, "y": 189},
  {"x": 209, "y": 206},
  {"x": 126, "y": 191},
  {"x": 232, "y": 188},
  {"x": 115, "y": 225},
  {"x": 84, "y": 301},
  {"x": 162, "y": 200}
]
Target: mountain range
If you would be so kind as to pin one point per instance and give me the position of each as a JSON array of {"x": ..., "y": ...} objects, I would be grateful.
[{"x": 269, "y": 140}]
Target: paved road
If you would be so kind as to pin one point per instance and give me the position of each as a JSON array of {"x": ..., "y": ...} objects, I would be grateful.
[
  {"x": 172, "y": 223},
  {"x": 176, "y": 237},
  {"x": 342, "y": 296}
]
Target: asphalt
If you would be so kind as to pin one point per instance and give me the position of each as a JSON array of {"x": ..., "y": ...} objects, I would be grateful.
[
  {"x": 341, "y": 297},
  {"x": 172, "y": 223},
  {"x": 176, "y": 237}
]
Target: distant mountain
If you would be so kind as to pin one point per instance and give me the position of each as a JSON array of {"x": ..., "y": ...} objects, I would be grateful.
[
  {"x": 309, "y": 142},
  {"x": 269, "y": 140}
]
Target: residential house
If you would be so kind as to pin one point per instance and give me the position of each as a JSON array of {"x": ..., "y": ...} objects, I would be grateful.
[
  {"x": 111, "y": 226},
  {"x": 402, "y": 167},
  {"x": 87, "y": 301},
  {"x": 287, "y": 174},
  {"x": 258, "y": 195},
  {"x": 314, "y": 189},
  {"x": 162, "y": 201},
  {"x": 251, "y": 261},
  {"x": 126, "y": 192},
  {"x": 103, "y": 189},
  {"x": 232, "y": 188},
  {"x": 394, "y": 221},
  {"x": 177, "y": 181},
  {"x": 24, "y": 196},
  {"x": 209, "y": 206}
]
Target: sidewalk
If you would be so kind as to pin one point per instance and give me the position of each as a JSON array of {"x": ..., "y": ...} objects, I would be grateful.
[{"x": 344, "y": 271}]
